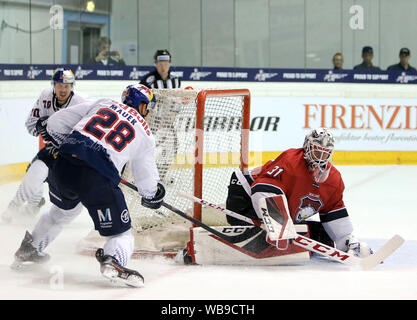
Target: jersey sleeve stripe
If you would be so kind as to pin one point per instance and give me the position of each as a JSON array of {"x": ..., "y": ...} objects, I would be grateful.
[
  {"x": 333, "y": 215},
  {"x": 248, "y": 177},
  {"x": 266, "y": 187},
  {"x": 245, "y": 179}
]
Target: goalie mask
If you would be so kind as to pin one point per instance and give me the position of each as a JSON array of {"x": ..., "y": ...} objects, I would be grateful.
[{"x": 318, "y": 150}]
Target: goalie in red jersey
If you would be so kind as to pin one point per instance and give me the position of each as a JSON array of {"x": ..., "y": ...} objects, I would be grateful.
[{"x": 300, "y": 182}]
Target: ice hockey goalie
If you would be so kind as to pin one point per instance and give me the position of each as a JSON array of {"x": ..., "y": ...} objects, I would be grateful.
[{"x": 282, "y": 195}]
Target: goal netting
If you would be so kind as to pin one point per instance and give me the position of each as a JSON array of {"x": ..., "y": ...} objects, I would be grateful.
[{"x": 201, "y": 138}]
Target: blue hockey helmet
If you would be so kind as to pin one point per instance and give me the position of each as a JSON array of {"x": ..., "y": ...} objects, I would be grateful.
[
  {"x": 63, "y": 75},
  {"x": 135, "y": 94}
]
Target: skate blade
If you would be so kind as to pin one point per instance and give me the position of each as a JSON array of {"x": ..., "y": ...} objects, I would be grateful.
[
  {"x": 18, "y": 265},
  {"x": 28, "y": 265},
  {"x": 132, "y": 281}
]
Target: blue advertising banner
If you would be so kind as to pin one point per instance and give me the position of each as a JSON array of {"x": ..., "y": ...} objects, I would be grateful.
[{"x": 99, "y": 72}]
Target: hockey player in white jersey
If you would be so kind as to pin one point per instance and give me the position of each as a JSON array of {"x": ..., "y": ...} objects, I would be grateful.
[
  {"x": 96, "y": 139},
  {"x": 29, "y": 196}
]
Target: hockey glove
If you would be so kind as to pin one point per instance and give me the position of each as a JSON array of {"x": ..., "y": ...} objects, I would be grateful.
[
  {"x": 156, "y": 201},
  {"x": 41, "y": 129},
  {"x": 356, "y": 247}
]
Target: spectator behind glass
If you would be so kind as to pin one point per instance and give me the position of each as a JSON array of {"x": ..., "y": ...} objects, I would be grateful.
[
  {"x": 403, "y": 65},
  {"x": 338, "y": 61},
  {"x": 105, "y": 56},
  {"x": 367, "y": 56}
]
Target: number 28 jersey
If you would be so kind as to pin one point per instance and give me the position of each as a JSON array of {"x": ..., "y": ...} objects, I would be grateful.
[{"x": 107, "y": 134}]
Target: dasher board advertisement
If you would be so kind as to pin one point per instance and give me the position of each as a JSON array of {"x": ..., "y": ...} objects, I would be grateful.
[{"x": 358, "y": 124}]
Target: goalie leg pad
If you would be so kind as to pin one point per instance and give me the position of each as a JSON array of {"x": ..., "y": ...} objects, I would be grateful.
[
  {"x": 248, "y": 247},
  {"x": 275, "y": 215}
]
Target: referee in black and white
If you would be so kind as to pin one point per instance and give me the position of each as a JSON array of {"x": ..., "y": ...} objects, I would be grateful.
[{"x": 161, "y": 77}]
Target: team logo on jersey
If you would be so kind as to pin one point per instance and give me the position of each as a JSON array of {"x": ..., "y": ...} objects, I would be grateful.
[
  {"x": 125, "y": 217},
  {"x": 150, "y": 79},
  {"x": 308, "y": 207},
  {"x": 105, "y": 218}
]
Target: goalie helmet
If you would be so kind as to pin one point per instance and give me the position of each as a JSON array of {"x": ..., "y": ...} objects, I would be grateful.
[
  {"x": 63, "y": 75},
  {"x": 136, "y": 94},
  {"x": 318, "y": 150}
]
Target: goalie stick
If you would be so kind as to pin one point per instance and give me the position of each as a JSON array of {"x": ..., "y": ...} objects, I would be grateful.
[{"x": 346, "y": 258}]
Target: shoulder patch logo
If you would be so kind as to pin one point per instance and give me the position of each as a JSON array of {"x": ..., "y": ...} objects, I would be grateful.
[{"x": 125, "y": 217}]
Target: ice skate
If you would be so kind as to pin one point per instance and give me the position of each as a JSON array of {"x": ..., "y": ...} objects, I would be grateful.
[
  {"x": 27, "y": 253},
  {"x": 112, "y": 270}
]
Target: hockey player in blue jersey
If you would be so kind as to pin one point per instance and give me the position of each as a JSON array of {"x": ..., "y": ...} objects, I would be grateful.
[{"x": 96, "y": 140}]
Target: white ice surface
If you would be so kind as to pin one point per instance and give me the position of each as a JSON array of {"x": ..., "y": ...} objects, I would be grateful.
[{"x": 380, "y": 201}]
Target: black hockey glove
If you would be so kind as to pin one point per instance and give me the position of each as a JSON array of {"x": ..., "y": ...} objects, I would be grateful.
[
  {"x": 41, "y": 129},
  {"x": 156, "y": 201}
]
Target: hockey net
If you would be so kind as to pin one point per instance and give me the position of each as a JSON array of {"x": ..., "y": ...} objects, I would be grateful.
[{"x": 201, "y": 138}]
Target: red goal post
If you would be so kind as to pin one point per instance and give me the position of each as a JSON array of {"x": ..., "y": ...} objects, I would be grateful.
[{"x": 199, "y": 142}]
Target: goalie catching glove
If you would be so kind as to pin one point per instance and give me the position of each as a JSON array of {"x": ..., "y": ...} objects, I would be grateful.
[{"x": 156, "y": 201}]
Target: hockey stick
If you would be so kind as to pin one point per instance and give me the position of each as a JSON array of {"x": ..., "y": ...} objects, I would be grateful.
[
  {"x": 346, "y": 258},
  {"x": 219, "y": 208},
  {"x": 186, "y": 216},
  {"x": 227, "y": 238}
]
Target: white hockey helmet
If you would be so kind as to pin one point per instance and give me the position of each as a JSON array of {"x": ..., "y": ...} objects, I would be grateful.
[
  {"x": 63, "y": 75},
  {"x": 318, "y": 150}
]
